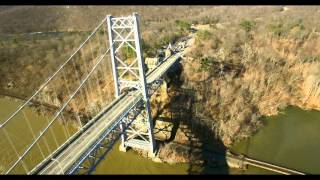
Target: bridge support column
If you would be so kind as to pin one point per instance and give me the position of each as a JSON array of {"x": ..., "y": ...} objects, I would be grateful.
[
  {"x": 150, "y": 129},
  {"x": 128, "y": 69},
  {"x": 122, "y": 146}
]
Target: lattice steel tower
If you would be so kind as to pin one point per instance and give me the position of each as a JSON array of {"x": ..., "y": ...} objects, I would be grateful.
[{"x": 129, "y": 72}]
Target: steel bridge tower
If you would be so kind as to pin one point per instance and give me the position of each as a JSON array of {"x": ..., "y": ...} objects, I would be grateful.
[{"x": 129, "y": 73}]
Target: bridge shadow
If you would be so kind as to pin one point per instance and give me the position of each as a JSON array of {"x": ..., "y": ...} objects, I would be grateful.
[{"x": 206, "y": 153}]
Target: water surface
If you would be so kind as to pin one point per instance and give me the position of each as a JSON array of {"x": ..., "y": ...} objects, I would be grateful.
[{"x": 290, "y": 139}]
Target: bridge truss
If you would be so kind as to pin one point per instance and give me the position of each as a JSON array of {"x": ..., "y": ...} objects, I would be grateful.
[{"x": 130, "y": 73}]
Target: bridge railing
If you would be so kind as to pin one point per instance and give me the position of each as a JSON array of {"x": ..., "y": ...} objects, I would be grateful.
[{"x": 79, "y": 88}]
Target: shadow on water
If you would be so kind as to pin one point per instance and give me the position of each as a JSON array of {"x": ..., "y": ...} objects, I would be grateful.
[{"x": 207, "y": 154}]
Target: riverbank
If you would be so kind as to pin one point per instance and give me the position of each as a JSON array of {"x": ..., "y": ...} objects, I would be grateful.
[
  {"x": 288, "y": 139},
  {"x": 40, "y": 108},
  {"x": 301, "y": 91}
]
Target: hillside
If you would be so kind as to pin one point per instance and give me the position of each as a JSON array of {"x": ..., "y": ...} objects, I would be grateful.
[{"x": 23, "y": 19}]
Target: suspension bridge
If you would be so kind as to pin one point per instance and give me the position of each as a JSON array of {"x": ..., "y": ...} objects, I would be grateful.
[{"x": 127, "y": 116}]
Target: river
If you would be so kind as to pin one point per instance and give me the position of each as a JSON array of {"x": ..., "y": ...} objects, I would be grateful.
[
  {"x": 289, "y": 139},
  {"x": 116, "y": 162},
  {"x": 20, "y": 135}
]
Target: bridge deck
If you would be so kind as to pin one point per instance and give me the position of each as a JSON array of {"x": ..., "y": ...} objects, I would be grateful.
[{"x": 76, "y": 149}]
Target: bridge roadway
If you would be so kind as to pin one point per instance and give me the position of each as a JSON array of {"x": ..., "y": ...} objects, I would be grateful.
[{"x": 106, "y": 120}]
